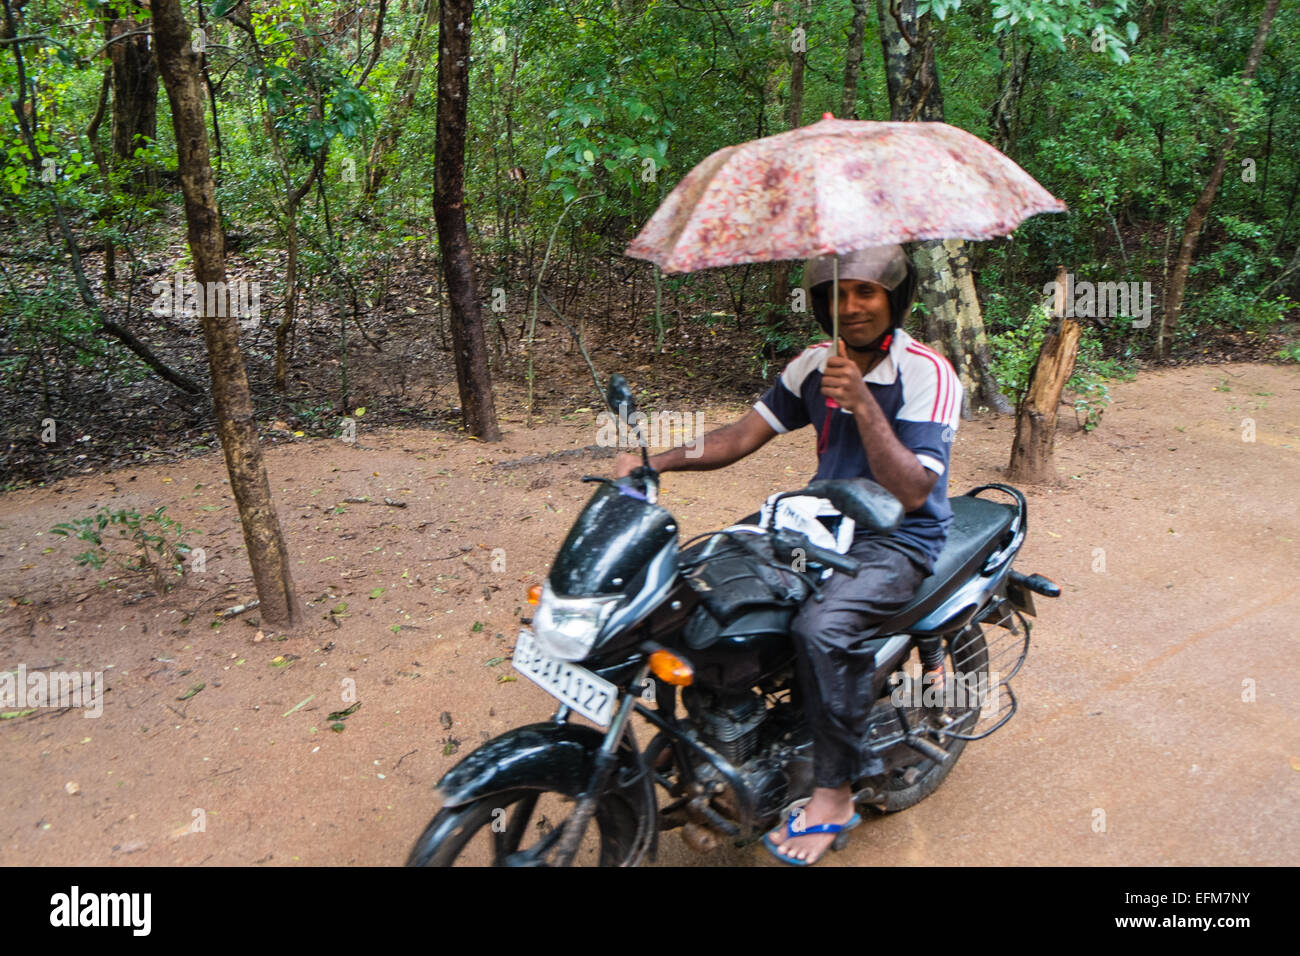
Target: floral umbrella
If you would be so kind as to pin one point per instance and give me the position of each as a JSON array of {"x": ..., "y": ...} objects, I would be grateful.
[{"x": 835, "y": 186}]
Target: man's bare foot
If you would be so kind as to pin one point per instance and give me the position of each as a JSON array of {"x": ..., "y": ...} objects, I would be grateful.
[{"x": 826, "y": 806}]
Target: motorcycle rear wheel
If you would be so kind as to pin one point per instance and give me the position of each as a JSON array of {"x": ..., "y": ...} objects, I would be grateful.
[
  {"x": 493, "y": 831},
  {"x": 924, "y": 773}
]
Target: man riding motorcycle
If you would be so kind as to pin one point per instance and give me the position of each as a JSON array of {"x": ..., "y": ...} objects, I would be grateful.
[{"x": 899, "y": 406}]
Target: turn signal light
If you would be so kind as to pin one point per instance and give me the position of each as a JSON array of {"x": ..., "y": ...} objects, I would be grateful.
[
  {"x": 671, "y": 669},
  {"x": 534, "y": 594}
]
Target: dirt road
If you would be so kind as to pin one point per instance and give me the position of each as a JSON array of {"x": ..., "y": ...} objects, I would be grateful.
[{"x": 1159, "y": 713}]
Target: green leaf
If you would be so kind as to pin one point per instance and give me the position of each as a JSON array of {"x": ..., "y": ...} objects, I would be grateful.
[{"x": 344, "y": 714}]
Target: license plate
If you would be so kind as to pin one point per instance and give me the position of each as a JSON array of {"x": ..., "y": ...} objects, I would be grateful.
[{"x": 578, "y": 688}]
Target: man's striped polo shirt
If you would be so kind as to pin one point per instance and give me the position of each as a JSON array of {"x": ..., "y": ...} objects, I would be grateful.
[{"x": 920, "y": 396}]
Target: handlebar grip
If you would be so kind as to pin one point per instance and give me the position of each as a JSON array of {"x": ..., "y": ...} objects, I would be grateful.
[
  {"x": 787, "y": 541},
  {"x": 833, "y": 559}
]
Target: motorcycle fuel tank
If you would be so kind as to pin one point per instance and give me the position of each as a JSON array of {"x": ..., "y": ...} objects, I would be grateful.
[{"x": 617, "y": 535}]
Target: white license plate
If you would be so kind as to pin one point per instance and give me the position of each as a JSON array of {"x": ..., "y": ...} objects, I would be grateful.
[{"x": 578, "y": 688}]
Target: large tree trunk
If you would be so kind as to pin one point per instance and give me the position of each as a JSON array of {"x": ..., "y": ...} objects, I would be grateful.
[
  {"x": 1196, "y": 219},
  {"x": 135, "y": 92},
  {"x": 179, "y": 67},
  {"x": 478, "y": 410},
  {"x": 1031, "y": 452},
  {"x": 853, "y": 61},
  {"x": 955, "y": 324},
  {"x": 404, "y": 93}
]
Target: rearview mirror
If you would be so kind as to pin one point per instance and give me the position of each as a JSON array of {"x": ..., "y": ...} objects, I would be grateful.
[
  {"x": 619, "y": 396},
  {"x": 868, "y": 504}
]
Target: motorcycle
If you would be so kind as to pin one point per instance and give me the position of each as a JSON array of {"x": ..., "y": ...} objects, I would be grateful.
[{"x": 694, "y": 639}]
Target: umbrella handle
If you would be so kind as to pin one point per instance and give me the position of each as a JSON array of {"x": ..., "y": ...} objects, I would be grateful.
[{"x": 835, "y": 313}]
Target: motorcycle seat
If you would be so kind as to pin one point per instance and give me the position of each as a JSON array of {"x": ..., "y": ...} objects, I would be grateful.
[{"x": 978, "y": 525}]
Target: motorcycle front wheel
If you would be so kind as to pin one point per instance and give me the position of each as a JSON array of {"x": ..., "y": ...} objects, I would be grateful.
[{"x": 520, "y": 827}]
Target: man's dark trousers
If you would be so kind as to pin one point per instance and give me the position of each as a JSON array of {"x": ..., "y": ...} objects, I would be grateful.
[{"x": 836, "y": 659}]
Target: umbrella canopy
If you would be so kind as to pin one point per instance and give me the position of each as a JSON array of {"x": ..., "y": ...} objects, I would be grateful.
[{"x": 835, "y": 186}]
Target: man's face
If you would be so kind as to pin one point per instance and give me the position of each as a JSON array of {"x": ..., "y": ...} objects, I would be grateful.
[{"x": 864, "y": 311}]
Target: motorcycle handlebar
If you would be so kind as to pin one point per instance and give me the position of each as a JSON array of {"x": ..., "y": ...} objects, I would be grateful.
[
  {"x": 832, "y": 559},
  {"x": 787, "y": 542}
]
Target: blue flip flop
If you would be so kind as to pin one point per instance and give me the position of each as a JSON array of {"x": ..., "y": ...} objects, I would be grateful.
[{"x": 837, "y": 844}]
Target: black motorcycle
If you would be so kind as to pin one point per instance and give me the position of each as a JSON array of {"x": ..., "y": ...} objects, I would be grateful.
[{"x": 695, "y": 640}]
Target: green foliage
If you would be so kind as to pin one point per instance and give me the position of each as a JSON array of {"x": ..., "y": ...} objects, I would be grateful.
[
  {"x": 150, "y": 544},
  {"x": 781, "y": 334},
  {"x": 1014, "y": 352},
  {"x": 1230, "y": 277},
  {"x": 628, "y": 161},
  {"x": 1050, "y": 22}
]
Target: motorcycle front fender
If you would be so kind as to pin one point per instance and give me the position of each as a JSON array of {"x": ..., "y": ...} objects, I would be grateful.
[{"x": 559, "y": 758}]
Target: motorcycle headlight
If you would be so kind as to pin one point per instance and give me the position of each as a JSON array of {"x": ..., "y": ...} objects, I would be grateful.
[{"x": 566, "y": 627}]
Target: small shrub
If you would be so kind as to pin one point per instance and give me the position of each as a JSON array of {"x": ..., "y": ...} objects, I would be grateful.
[{"x": 147, "y": 544}]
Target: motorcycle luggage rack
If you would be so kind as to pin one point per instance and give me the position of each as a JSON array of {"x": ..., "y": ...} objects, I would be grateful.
[{"x": 989, "y": 699}]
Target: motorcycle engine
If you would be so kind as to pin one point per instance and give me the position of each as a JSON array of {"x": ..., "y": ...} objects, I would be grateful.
[
  {"x": 771, "y": 749},
  {"x": 730, "y": 722}
]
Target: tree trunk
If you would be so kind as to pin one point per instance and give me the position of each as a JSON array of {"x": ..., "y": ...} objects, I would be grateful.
[
  {"x": 135, "y": 93},
  {"x": 780, "y": 287},
  {"x": 952, "y": 293},
  {"x": 1002, "y": 118},
  {"x": 267, "y": 554},
  {"x": 404, "y": 93},
  {"x": 478, "y": 410},
  {"x": 1031, "y": 452},
  {"x": 285, "y": 330},
  {"x": 853, "y": 61},
  {"x": 101, "y": 162},
  {"x": 1196, "y": 219},
  {"x": 955, "y": 324}
]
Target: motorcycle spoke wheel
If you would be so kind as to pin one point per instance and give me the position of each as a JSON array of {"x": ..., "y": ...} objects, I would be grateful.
[{"x": 908, "y": 785}]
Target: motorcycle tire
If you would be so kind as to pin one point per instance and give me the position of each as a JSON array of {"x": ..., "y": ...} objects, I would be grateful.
[
  {"x": 445, "y": 839},
  {"x": 901, "y": 795}
]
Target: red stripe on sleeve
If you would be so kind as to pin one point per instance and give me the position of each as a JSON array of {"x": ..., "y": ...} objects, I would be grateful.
[{"x": 941, "y": 385}]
